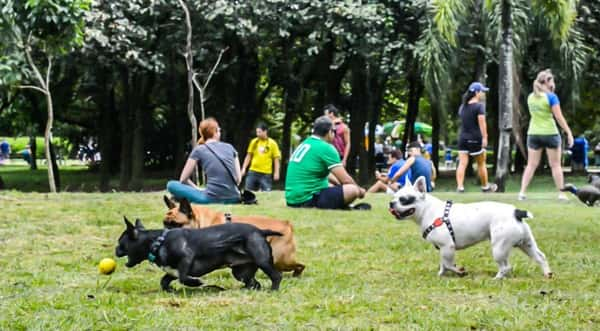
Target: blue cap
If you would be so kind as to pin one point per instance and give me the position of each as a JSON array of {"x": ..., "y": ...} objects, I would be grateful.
[{"x": 478, "y": 87}]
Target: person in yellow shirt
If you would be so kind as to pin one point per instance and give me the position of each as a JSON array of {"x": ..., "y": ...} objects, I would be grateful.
[{"x": 263, "y": 157}]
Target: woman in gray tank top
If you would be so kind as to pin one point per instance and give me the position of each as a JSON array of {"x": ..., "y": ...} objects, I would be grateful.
[{"x": 218, "y": 160}]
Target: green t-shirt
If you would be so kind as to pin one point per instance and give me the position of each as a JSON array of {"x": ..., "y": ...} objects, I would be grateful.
[
  {"x": 308, "y": 169},
  {"x": 540, "y": 108}
]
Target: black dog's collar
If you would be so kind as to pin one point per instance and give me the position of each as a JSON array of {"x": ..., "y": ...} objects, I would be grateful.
[
  {"x": 156, "y": 246},
  {"x": 439, "y": 221}
]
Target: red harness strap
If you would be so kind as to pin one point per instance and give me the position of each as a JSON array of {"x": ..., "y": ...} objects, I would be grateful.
[{"x": 441, "y": 220}]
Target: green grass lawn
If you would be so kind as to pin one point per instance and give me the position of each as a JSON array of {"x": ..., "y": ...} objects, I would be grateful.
[{"x": 365, "y": 270}]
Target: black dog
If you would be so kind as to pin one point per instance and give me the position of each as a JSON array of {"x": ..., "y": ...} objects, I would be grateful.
[
  {"x": 188, "y": 253},
  {"x": 594, "y": 180},
  {"x": 587, "y": 194}
]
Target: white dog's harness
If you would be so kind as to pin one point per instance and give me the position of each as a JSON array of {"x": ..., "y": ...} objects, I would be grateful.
[{"x": 439, "y": 221}]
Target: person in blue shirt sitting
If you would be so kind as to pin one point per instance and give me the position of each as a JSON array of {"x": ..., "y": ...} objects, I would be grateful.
[
  {"x": 418, "y": 165},
  {"x": 384, "y": 182}
]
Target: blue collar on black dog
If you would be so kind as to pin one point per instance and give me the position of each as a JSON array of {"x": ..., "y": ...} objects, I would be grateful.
[{"x": 156, "y": 246}]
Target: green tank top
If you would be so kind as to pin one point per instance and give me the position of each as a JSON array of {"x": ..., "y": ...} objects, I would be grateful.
[{"x": 542, "y": 121}]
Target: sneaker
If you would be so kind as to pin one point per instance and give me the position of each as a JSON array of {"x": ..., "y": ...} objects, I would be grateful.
[
  {"x": 491, "y": 188},
  {"x": 562, "y": 197},
  {"x": 460, "y": 190},
  {"x": 361, "y": 206},
  {"x": 522, "y": 197}
]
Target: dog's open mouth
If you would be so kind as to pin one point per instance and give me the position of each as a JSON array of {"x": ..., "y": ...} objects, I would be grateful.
[{"x": 402, "y": 215}]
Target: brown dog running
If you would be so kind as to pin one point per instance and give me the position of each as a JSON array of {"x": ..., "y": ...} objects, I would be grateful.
[{"x": 198, "y": 217}]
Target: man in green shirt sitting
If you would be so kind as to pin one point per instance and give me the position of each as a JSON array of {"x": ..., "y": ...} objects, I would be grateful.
[{"x": 306, "y": 183}]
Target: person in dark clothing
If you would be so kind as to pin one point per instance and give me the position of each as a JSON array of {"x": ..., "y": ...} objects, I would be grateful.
[{"x": 473, "y": 137}]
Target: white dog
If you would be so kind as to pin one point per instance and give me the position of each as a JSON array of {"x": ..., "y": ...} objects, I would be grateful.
[{"x": 456, "y": 226}]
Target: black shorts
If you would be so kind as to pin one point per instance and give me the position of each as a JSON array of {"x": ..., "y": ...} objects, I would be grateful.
[
  {"x": 471, "y": 146},
  {"x": 538, "y": 141},
  {"x": 329, "y": 198}
]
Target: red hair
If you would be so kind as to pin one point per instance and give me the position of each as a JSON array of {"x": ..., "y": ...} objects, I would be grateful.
[{"x": 207, "y": 129}]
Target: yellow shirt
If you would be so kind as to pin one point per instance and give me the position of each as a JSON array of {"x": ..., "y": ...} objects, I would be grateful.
[{"x": 263, "y": 153}]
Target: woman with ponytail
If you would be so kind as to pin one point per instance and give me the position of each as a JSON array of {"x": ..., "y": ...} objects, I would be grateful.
[
  {"x": 473, "y": 137},
  {"x": 220, "y": 163},
  {"x": 544, "y": 108}
]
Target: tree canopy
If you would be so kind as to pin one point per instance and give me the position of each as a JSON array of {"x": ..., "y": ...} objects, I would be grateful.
[{"x": 120, "y": 75}]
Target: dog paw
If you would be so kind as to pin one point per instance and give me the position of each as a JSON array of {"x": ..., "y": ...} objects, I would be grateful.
[{"x": 549, "y": 275}]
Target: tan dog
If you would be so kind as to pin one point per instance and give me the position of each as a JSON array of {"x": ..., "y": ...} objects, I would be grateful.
[{"x": 197, "y": 217}]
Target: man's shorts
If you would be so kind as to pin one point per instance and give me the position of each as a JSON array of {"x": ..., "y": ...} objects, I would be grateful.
[
  {"x": 538, "y": 141},
  {"x": 258, "y": 181},
  {"x": 471, "y": 146},
  {"x": 329, "y": 198}
]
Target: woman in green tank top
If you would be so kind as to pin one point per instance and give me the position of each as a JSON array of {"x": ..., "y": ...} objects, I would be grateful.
[{"x": 544, "y": 108}]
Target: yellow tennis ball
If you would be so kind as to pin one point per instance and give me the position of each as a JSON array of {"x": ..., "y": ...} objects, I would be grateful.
[{"x": 107, "y": 266}]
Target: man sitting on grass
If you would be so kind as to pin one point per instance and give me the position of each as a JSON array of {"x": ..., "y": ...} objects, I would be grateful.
[
  {"x": 418, "y": 165},
  {"x": 384, "y": 183},
  {"x": 306, "y": 183}
]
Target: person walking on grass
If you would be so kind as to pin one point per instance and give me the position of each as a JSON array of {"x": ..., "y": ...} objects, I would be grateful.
[
  {"x": 473, "y": 138},
  {"x": 542, "y": 134},
  {"x": 263, "y": 157}
]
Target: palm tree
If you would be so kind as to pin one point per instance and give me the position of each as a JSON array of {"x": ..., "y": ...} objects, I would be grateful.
[{"x": 558, "y": 17}]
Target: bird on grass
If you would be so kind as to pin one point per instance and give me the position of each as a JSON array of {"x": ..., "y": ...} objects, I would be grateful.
[{"x": 587, "y": 194}]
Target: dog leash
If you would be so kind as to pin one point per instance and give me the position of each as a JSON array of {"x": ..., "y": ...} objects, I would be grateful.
[
  {"x": 156, "y": 246},
  {"x": 439, "y": 221}
]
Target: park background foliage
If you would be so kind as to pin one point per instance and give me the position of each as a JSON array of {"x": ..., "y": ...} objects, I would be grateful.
[{"x": 118, "y": 71}]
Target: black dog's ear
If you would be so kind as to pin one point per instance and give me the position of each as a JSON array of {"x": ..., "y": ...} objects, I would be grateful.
[
  {"x": 170, "y": 203},
  {"x": 131, "y": 231},
  {"x": 186, "y": 208},
  {"x": 139, "y": 225}
]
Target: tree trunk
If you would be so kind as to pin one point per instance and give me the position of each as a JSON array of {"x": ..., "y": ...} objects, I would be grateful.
[
  {"x": 47, "y": 133},
  {"x": 107, "y": 136},
  {"x": 241, "y": 123},
  {"x": 54, "y": 166},
  {"x": 44, "y": 87},
  {"x": 415, "y": 89},
  {"x": 189, "y": 62},
  {"x": 435, "y": 133},
  {"x": 33, "y": 150},
  {"x": 358, "y": 116},
  {"x": 179, "y": 122},
  {"x": 143, "y": 116},
  {"x": 289, "y": 107},
  {"x": 125, "y": 120},
  {"x": 505, "y": 97}
]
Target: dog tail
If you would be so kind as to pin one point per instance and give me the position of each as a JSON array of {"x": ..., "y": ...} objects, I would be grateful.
[
  {"x": 521, "y": 214},
  {"x": 268, "y": 233}
]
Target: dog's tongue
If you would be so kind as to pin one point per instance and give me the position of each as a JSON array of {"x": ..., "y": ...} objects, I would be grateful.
[{"x": 394, "y": 212}]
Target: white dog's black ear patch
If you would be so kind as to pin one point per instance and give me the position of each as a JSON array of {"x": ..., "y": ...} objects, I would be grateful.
[{"x": 521, "y": 214}]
